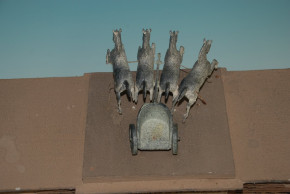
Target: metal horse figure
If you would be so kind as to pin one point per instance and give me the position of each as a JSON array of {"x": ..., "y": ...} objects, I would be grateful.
[
  {"x": 191, "y": 84},
  {"x": 145, "y": 69},
  {"x": 170, "y": 74},
  {"x": 121, "y": 72}
]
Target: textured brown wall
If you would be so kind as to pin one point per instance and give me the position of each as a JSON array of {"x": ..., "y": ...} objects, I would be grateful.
[
  {"x": 258, "y": 106},
  {"x": 42, "y": 125}
]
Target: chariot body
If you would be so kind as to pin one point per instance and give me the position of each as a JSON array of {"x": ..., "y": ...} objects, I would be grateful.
[{"x": 154, "y": 130}]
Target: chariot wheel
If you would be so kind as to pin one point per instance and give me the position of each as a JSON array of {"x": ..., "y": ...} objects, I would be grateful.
[
  {"x": 175, "y": 139},
  {"x": 133, "y": 139}
]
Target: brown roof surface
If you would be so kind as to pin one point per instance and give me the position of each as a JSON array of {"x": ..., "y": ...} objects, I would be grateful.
[
  {"x": 258, "y": 106},
  {"x": 43, "y": 122}
]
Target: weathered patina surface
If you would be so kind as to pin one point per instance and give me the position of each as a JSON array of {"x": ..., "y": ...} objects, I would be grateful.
[
  {"x": 170, "y": 74},
  {"x": 154, "y": 127},
  {"x": 145, "y": 69},
  {"x": 191, "y": 84},
  {"x": 122, "y": 76}
]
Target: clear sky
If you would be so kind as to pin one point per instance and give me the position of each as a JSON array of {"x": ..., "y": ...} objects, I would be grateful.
[{"x": 52, "y": 38}]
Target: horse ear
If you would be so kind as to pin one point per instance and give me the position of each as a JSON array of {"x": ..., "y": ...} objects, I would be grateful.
[
  {"x": 150, "y": 30},
  {"x": 204, "y": 41},
  {"x": 120, "y": 30},
  {"x": 170, "y": 32},
  {"x": 143, "y": 31}
]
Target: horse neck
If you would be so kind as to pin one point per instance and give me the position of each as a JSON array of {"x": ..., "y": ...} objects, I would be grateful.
[
  {"x": 146, "y": 42},
  {"x": 202, "y": 54},
  {"x": 118, "y": 45},
  {"x": 118, "y": 42},
  {"x": 172, "y": 44}
]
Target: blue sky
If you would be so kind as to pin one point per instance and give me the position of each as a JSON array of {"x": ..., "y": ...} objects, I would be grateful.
[{"x": 50, "y": 38}]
